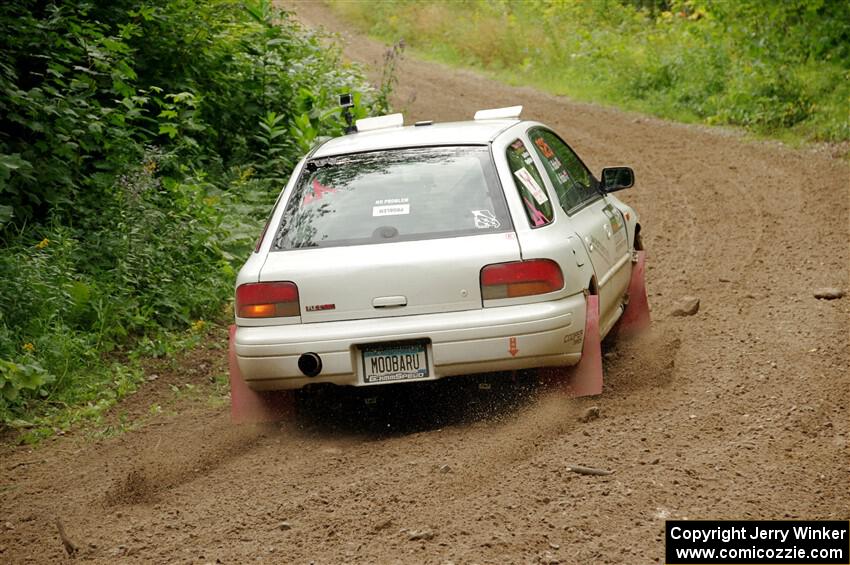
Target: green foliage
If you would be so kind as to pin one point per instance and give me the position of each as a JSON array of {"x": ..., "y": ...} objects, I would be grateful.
[
  {"x": 141, "y": 147},
  {"x": 274, "y": 144},
  {"x": 774, "y": 67},
  {"x": 61, "y": 77},
  {"x": 16, "y": 377}
]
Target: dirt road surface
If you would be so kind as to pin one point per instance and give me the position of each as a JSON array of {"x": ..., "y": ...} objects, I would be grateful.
[{"x": 740, "y": 411}]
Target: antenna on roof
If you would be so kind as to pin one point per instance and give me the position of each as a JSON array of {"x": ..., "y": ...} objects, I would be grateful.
[{"x": 511, "y": 112}]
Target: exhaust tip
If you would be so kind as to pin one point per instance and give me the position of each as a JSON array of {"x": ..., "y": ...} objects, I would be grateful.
[{"x": 310, "y": 364}]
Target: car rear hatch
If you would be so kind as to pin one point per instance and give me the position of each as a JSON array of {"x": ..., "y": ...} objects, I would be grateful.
[
  {"x": 392, "y": 233},
  {"x": 397, "y": 279}
]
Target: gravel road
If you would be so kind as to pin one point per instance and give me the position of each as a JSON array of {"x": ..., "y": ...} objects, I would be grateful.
[{"x": 740, "y": 411}]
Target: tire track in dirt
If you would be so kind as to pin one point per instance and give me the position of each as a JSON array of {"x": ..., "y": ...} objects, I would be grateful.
[{"x": 154, "y": 470}]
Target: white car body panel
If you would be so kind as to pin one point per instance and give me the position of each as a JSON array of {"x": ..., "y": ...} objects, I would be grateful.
[
  {"x": 563, "y": 246},
  {"x": 583, "y": 245}
]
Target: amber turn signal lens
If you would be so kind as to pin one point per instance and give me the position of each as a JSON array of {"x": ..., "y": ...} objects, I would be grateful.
[{"x": 257, "y": 311}]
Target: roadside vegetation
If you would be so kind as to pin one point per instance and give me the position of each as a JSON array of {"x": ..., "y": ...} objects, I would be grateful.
[
  {"x": 775, "y": 68},
  {"x": 142, "y": 144}
]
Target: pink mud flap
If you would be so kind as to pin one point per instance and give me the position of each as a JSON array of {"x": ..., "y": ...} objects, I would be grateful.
[
  {"x": 584, "y": 379},
  {"x": 636, "y": 317},
  {"x": 249, "y": 406}
]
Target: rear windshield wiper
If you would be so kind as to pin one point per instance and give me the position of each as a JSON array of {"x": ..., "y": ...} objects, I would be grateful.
[{"x": 317, "y": 164}]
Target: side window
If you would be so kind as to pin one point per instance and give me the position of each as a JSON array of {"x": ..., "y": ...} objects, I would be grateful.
[
  {"x": 571, "y": 179},
  {"x": 530, "y": 185}
]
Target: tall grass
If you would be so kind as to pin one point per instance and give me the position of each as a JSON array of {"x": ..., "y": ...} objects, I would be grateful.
[{"x": 776, "y": 68}]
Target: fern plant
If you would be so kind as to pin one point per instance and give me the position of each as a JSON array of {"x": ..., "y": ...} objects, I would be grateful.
[{"x": 272, "y": 160}]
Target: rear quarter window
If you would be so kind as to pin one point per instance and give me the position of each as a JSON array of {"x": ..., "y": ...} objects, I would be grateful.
[
  {"x": 529, "y": 184},
  {"x": 394, "y": 195}
]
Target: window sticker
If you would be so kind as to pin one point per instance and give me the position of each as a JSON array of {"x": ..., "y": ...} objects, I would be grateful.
[
  {"x": 391, "y": 210},
  {"x": 391, "y": 207},
  {"x": 319, "y": 190},
  {"x": 528, "y": 182},
  {"x": 544, "y": 147},
  {"x": 555, "y": 163},
  {"x": 537, "y": 217},
  {"x": 563, "y": 176},
  {"x": 485, "y": 219},
  {"x": 529, "y": 185}
]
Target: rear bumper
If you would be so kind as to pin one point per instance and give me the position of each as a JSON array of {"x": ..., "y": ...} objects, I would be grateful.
[{"x": 475, "y": 341}]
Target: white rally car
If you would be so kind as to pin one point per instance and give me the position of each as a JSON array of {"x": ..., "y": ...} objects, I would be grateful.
[{"x": 399, "y": 254}]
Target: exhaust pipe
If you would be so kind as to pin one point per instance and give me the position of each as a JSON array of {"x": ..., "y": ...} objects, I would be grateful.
[{"x": 310, "y": 364}]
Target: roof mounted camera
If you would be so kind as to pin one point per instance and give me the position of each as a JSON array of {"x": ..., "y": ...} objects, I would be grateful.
[{"x": 346, "y": 102}]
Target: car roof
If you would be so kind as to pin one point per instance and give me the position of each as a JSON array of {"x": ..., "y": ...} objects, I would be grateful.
[{"x": 477, "y": 132}]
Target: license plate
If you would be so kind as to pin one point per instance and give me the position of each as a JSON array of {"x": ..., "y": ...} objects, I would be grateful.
[{"x": 386, "y": 363}]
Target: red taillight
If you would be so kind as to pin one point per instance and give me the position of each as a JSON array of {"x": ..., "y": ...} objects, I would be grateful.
[
  {"x": 267, "y": 300},
  {"x": 520, "y": 278}
]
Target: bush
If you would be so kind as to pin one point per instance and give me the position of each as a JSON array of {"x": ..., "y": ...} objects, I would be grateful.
[{"x": 142, "y": 146}]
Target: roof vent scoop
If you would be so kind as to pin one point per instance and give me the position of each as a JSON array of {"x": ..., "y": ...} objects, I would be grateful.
[
  {"x": 511, "y": 112},
  {"x": 381, "y": 122}
]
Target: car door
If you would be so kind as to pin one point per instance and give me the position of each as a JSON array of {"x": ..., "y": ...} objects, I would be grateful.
[{"x": 592, "y": 217}]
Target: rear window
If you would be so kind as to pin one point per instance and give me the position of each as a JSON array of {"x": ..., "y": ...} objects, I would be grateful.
[{"x": 394, "y": 195}]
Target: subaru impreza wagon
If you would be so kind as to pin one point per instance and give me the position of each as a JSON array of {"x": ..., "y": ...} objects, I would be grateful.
[{"x": 399, "y": 254}]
